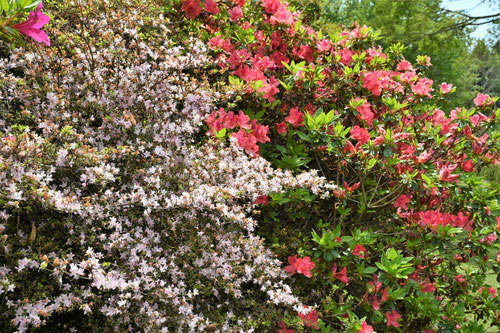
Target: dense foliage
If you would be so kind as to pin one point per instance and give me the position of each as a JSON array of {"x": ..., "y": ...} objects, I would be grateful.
[{"x": 220, "y": 166}]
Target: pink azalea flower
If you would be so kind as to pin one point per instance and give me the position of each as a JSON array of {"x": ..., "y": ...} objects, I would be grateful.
[
  {"x": 211, "y": 7},
  {"x": 402, "y": 201},
  {"x": 33, "y": 25},
  {"x": 392, "y": 318},
  {"x": 490, "y": 239},
  {"x": 360, "y": 134},
  {"x": 404, "y": 65},
  {"x": 483, "y": 100},
  {"x": 235, "y": 13},
  {"x": 365, "y": 328},
  {"x": 271, "y": 6},
  {"x": 445, "y": 174},
  {"x": 445, "y": 88}
]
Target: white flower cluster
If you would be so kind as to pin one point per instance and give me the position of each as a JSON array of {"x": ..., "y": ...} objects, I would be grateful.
[{"x": 112, "y": 204}]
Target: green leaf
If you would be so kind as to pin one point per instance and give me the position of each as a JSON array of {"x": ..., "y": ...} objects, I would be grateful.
[
  {"x": 329, "y": 117},
  {"x": 5, "y": 5},
  {"x": 382, "y": 267},
  {"x": 427, "y": 179},
  {"x": 370, "y": 270},
  {"x": 304, "y": 136},
  {"x": 221, "y": 134}
]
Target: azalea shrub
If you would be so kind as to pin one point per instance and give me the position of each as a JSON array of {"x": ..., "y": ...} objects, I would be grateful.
[{"x": 219, "y": 166}]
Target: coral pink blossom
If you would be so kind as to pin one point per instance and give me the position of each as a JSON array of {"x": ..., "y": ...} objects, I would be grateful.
[
  {"x": 281, "y": 127},
  {"x": 296, "y": 118},
  {"x": 365, "y": 328},
  {"x": 392, "y": 318},
  {"x": 33, "y": 25},
  {"x": 360, "y": 134},
  {"x": 423, "y": 87},
  {"x": 402, "y": 201},
  {"x": 247, "y": 141},
  {"x": 300, "y": 265},
  {"x": 404, "y": 65},
  {"x": 192, "y": 8}
]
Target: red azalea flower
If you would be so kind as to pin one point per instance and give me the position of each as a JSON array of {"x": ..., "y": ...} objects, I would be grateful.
[
  {"x": 284, "y": 329},
  {"x": 291, "y": 268},
  {"x": 310, "y": 319},
  {"x": 262, "y": 200},
  {"x": 427, "y": 286},
  {"x": 445, "y": 174},
  {"x": 342, "y": 275},
  {"x": 353, "y": 188},
  {"x": 359, "y": 250},
  {"x": 247, "y": 141},
  {"x": 304, "y": 266}
]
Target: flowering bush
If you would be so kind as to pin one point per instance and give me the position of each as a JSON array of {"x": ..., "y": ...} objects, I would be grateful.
[
  {"x": 162, "y": 163},
  {"x": 116, "y": 213}
]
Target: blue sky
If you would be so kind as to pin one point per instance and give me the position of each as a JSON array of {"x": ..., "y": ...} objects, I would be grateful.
[{"x": 474, "y": 8}]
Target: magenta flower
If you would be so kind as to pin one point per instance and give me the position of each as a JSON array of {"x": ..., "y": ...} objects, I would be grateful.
[{"x": 33, "y": 25}]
